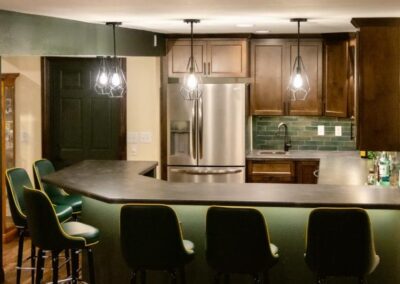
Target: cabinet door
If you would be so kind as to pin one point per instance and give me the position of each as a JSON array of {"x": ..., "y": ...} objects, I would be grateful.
[
  {"x": 307, "y": 172},
  {"x": 227, "y": 58},
  {"x": 378, "y": 93},
  {"x": 268, "y": 71},
  {"x": 336, "y": 78},
  {"x": 179, "y": 53},
  {"x": 311, "y": 53}
]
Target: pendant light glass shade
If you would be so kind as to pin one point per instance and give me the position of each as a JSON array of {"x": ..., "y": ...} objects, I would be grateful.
[
  {"x": 192, "y": 87},
  {"x": 299, "y": 85},
  {"x": 110, "y": 79}
]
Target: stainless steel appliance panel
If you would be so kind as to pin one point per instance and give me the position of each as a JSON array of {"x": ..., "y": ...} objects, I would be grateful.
[
  {"x": 181, "y": 128},
  {"x": 222, "y": 124},
  {"x": 207, "y": 174}
]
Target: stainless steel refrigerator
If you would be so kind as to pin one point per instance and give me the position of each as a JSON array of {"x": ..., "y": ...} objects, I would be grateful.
[{"x": 207, "y": 137}]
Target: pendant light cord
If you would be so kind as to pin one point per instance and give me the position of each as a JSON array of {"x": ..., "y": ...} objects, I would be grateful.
[
  {"x": 298, "y": 46},
  {"x": 191, "y": 48},
  {"x": 115, "y": 49}
]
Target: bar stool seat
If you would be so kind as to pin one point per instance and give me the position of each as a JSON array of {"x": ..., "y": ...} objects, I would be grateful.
[
  {"x": 49, "y": 234},
  {"x": 151, "y": 239},
  {"x": 16, "y": 180},
  {"x": 77, "y": 229},
  {"x": 340, "y": 243},
  {"x": 237, "y": 242},
  {"x": 57, "y": 195}
]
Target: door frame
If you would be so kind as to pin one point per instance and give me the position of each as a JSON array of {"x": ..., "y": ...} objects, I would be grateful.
[{"x": 46, "y": 131}]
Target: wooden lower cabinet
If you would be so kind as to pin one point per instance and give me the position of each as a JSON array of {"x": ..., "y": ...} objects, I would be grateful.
[
  {"x": 282, "y": 171},
  {"x": 307, "y": 171}
]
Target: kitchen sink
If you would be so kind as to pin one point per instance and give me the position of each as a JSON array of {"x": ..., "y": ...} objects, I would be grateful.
[{"x": 272, "y": 152}]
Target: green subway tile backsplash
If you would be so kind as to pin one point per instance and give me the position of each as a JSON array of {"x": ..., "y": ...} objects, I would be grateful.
[{"x": 303, "y": 133}]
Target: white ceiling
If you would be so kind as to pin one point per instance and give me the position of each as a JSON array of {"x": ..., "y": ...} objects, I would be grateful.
[{"x": 218, "y": 16}]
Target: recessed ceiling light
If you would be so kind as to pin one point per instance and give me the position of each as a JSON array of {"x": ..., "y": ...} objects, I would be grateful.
[
  {"x": 245, "y": 25},
  {"x": 262, "y": 32}
]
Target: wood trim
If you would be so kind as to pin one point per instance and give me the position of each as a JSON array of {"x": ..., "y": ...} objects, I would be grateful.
[
  {"x": 163, "y": 117},
  {"x": 244, "y": 36},
  {"x": 376, "y": 22},
  {"x": 123, "y": 123}
]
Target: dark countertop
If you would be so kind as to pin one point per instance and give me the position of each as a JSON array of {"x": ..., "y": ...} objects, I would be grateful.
[
  {"x": 335, "y": 167},
  {"x": 121, "y": 182}
]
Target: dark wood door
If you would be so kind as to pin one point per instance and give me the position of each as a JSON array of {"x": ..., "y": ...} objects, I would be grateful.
[
  {"x": 311, "y": 53},
  {"x": 227, "y": 58},
  {"x": 80, "y": 124},
  {"x": 337, "y": 78},
  {"x": 269, "y": 70}
]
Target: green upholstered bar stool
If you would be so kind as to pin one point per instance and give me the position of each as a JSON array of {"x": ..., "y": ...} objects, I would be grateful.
[
  {"x": 151, "y": 239},
  {"x": 16, "y": 179},
  {"x": 237, "y": 242},
  {"x": 57, "y": 196},
  {"x": 340, "y": 243},
  {"x": 49, "y": 234}
]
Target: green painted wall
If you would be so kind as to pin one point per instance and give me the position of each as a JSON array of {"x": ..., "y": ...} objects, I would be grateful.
[
  {"x": 24, "y": 34},
  {"x": 303, "y": 133}
]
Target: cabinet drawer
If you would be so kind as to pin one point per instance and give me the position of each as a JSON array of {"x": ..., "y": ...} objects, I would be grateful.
[{"x": 271, "y": 171}]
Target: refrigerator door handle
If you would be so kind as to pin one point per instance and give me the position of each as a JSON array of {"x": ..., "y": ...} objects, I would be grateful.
[
  {"x": 207, "y": 172},
  {"x": 200, "y": 122},
  {"x": 194, "y": 135}
]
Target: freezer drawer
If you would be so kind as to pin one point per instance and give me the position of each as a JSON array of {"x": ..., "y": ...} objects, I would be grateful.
[{"x": 207, "y": 174}]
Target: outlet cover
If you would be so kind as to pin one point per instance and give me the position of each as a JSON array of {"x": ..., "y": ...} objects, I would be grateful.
[
  {"x": 338, "y": 130},
  {"x": 321, "y": 130},
  {"x": 132, "y": 137}
]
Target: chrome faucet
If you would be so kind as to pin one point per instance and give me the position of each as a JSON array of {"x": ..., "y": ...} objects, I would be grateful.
[{"x": 287, "y": 143}]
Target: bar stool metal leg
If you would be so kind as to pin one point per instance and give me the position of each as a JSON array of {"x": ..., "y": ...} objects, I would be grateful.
[
  {"x": 91, "y": 266},
  {"x": 54, "y": 264},
  {"x": 33, "y": 263},
  {"x": 39, "y": 266},
  {"x": 68, "y": 262},
  {"x": 182, "y": 275},
  {"x": 20, "y": 252},
  {"x": 75, "y": 266}
]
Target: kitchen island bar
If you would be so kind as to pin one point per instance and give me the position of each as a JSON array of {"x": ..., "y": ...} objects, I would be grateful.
[{"x": 106, "y": 185}]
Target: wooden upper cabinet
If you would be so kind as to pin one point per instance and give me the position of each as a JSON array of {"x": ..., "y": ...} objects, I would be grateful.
[
  {"x": 214, "y": 58},
  {"x": 227, "y": 58},
  {"x": 311, "y": 53},
  {"x": 378, "y": 86},
  {"x": 268, "y": 72},
  {"x": 339, "y": 78},
  {"x": 179, "y": 53}
]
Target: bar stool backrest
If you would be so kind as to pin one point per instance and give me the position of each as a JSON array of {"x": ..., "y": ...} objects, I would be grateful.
[
  {"x": 41, "y": 168},
  {"x": 45, "y": 229},
  {"x": 340, "y": 242},
  {"x": 151, "y": 237},
  {"x": 16, "y": 179},
  {"x": 237, "y": 240}
]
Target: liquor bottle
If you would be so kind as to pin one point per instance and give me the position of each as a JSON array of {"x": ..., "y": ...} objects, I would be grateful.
[{"x": 384, "y": 169}]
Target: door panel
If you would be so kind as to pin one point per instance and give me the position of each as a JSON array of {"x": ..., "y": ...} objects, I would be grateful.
[
  {"x": 222, "y": 125},
  {"x": 311, "y": 53},
  {"x": 81, "y": 124},
  {"x": 181, "y": 128},
  {"x": 268, "y": 69},
  {"x": 179, "y": 53}
]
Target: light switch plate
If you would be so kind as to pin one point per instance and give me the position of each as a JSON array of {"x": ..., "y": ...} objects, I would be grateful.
[
  {"x": 145, "y": 137},
  {"x": 132, "y": 137},
  {"x": 321, "y": 130},
  {"x": 338, "y": 130},
  {"x": 134, "y": 149}
]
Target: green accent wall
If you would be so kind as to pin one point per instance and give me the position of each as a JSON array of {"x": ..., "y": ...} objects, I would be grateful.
[
  {"x": 287, "y": 227},
  {"x": 24, "y": 34},
  {"x": 303, "y": 133}
]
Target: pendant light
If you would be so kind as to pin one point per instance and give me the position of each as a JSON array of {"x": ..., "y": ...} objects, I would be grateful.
[
  {"x": 299, "y": 85},
  {"x": 110, "y": 79},
  {"x": 191, "y": 88}
]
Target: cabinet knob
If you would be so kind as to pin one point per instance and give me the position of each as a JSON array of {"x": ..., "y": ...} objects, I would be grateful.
[{"x": 316, "y": 173}]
